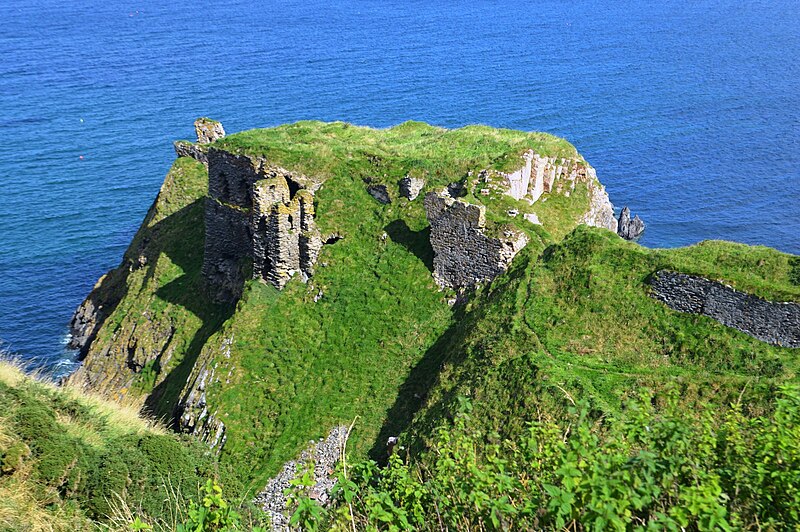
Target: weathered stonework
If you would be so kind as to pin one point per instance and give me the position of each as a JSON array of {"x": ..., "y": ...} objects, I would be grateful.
[
  {"x": 258, "y": 212},
  {"x": 463, "y": 254},
  {"x": 185, "y": 148},
  {"x": 410, "y": 187},
  {"x": 772, "y": 322},
  {"x": 208, "y": 130}
]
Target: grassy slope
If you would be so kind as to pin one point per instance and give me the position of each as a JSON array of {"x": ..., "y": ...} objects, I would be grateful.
[
  {"x": 65, "y": 456},
  {"x": 159, "y": 304},
  {"x": 382, "y": 341},
  {"x": 299, "y": 367},
  {"x": 578, "y": 323}
]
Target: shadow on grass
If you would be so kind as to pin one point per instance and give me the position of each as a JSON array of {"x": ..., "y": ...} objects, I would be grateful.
[
  {"x": 413, "y": 392},
  {"x": 417, "y": 242},
  {"x": 180, "y": 237}
]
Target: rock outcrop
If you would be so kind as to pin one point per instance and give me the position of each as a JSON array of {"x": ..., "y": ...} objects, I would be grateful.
[
  {"x": 627, "y": 228},
  {"x": 207, "y": 131},
  {"x": 194, "y": 414},
  {"x": 540, "y": 175},
  {"x": 601, "y": 211},
  {"x": 261, "y": 213},
  {"x": 380, "y": 193},
  {"x": 410, "y": 187},
  {"x": 464, "y": 254},
  {"x": 772, "y": 322}
]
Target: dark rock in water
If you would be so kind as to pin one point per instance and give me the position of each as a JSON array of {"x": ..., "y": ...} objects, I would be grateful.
[
  {"x": 380, "y": 193},
  {"x": 627, "y": 228}
]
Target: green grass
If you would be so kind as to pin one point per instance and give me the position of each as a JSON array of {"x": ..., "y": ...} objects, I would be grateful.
[
  {"x": 297, "y": 367},
  {"x": 578, "y": 323},
  {"x": 67, "y": 457},
  {"x": 570, "y": 320}
]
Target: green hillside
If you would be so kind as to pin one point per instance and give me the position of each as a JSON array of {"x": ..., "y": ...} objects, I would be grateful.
[
  {"x": 70, "y": 460},
  {"x": 296, "y": 368},
  {"x": 577, "y": 323},
  {"x": 370, "y": 337}
]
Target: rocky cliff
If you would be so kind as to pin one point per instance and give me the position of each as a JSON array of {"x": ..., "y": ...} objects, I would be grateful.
[{"x": 229, "y": 315}]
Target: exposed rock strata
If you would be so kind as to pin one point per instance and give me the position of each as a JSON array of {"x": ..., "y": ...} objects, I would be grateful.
[
  {"x": 627, "y": 228},
  {"x": 539, "y": 175},
  {"x": 194, "y": 416},
  {"x": 772, "y": 322},
  {"x": 322, "y": 456},
  {"x": 601, "y": 211},
  {"x": 463, "y": 254},
  {"x": 261, "y": 213}
]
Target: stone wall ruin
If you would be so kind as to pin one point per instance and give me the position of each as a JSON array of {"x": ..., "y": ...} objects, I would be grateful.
[
  {"x": 259, "y": 212},
  {"x": 464, "y": 254},
  {"x": 772, "y": 322}
]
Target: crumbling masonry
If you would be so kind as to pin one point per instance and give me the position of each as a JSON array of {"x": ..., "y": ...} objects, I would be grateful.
[{"x": 256, "y": 213}]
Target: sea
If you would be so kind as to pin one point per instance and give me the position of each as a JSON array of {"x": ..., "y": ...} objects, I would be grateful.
[{"x": 689, "y": 110}]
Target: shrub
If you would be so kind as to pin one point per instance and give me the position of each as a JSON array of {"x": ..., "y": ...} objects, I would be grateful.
[{"x": 662, "y": 470}]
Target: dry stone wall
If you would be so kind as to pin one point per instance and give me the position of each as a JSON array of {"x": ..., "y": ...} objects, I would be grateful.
[
  {"x": 207, "y": 131},
  {"x": 463, "y": 254},
  {"x": 772, "y": 322}
]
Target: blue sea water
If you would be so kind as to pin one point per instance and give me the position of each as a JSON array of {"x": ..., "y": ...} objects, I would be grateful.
[{"x": 689, "y": 110}]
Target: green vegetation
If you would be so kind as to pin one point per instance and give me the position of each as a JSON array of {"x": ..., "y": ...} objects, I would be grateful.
[
  {"x": 297, "y": 367},
  {"x": 69, "y": 458},
  {"x": 578, "y": 322},
  {"x": 665, "y": 469},
  {"x": 155, "y": 300},
  {"x": 371, "y": 336}
]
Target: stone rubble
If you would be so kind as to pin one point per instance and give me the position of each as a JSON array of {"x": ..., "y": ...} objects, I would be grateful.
[
  {"x": 323, "y": 457},
  {"x": 380, "y": 193}
]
